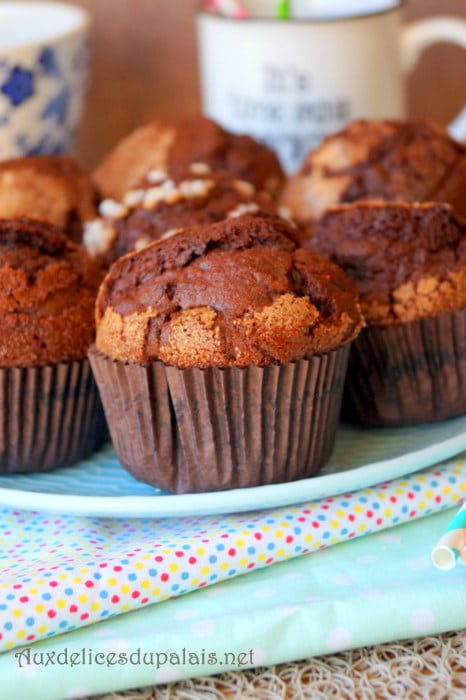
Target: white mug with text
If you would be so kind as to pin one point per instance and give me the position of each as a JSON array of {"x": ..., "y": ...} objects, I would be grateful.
[{"x": 292, "y": 82}]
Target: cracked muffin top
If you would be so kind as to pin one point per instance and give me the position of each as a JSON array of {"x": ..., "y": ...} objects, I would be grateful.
[
  {"x": 47, "y": 188},
  {"x": 160, "y": 207},
  {"x": 235, "y": 293},
  {"x": 408, "y": 261},
  {"x": 48, "y": 287},
  {"x": 388, "y": 160},
  {"x": 171, "y": 147}
]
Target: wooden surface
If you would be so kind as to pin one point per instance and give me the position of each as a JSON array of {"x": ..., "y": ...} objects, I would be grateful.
[{"x": 144, "y": 67}]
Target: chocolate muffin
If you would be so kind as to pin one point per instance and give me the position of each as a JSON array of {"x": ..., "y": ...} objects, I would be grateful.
[
  {"x": 158, "y": 209},
  {"x": 222, "y": 350},
  {"x": 411, "y": 161},
  {"x": 47, "y": 188},
  {"x": 50, "y": 411},
  {"x": 409, "y": 264},
  {"x": 170, "y": 148}
]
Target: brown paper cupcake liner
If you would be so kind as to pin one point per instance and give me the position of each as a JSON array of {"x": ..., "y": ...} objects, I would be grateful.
[
  {"x": 50, "y": 416},
  {"x": 409, "y": 373},
  {"x": 196, "y": 430}
]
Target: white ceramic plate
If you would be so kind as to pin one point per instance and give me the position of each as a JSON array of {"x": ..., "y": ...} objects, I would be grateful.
[{"x": 361, "y": 458}]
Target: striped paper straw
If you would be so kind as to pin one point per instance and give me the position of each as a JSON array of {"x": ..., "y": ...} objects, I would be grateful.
[
  {"x": 282, "y": 9},
  {"x": 278, "y": 9},
  {"x": 452, "y": 546},
  {"x": 227, "y": 8}
]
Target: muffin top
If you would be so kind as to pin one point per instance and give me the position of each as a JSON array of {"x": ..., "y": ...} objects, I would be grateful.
[
  {"x": 48, "y": 289},
  {"x": 407, "y": 260},
  {"x": 161, "y": 207},
  {"x": 171, "y": 147},
  {"x": 235, "y": 293},
  {"x": 412, "y": 161},
  {"x": 47, "y": 188}
]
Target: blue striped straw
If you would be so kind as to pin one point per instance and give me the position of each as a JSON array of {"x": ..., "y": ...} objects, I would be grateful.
[{"x": 449, "y": 548}]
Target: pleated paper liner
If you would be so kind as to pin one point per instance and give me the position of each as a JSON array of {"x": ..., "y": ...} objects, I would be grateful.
[
  {"x": 408, "y": 373},
  {"x": 50, "y": 416},
  {"x": 196, "y": 430}
]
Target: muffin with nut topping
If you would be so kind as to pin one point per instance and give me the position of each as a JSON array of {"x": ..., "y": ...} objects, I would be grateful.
[
  {"x": 386, "y": 160},
  {"x": 408, "y": 262},
  {"x": 223, "y": 351},
  {"x": 160, "y": 207},
  {"x": 49, "y": 188},
  {"x": 170, "y": 148},
  {"x": 51, "y": 414}
]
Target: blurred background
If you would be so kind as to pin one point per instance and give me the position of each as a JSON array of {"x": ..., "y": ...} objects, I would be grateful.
[{"x": 145, "y": 67}]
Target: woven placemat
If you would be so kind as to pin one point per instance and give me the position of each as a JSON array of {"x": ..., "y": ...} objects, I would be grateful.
[{"x": 430, "y": 667}]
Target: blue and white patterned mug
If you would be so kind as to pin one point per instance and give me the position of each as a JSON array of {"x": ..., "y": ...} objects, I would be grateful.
[{"x": 44, "y": 57}]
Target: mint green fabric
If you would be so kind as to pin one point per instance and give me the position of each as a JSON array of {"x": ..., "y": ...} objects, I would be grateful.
[{"x": 379, "y": 588}]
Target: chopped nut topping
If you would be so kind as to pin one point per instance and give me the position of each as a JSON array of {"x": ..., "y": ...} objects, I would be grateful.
[
  {"x": 97, "y": 237},
  {"x": 167, "y": 192},
  {"x": 243, "y": 208},
  {"x": 199, "y": 168},
  {"x": 245, "y": 188},
  {"x": 195, "y": 188},
  {"x": 156, "y": 176},
  {"x": 134, "y": 198},
  {"x": 113, "y": 209},
  {"x": 142, "y": 242}
]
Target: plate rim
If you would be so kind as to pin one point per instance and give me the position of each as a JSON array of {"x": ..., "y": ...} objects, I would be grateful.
[{"x": 237, "y": 500}]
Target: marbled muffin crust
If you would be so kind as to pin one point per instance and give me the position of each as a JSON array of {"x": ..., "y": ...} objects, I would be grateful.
[
  {"x": 47, "y": 188},
  {"x": 408, "y": 261},
  {"x": 171, "y": 147},
  {"x": 48, "y": 289},
  {"x": 159, "y": 207},
  {"x": 235, "y": 293},
  {"x": 389, "y": 160}
]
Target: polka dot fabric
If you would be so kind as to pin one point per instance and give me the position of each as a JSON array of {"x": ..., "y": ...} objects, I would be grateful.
[{"x": 60, "y": 573}]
